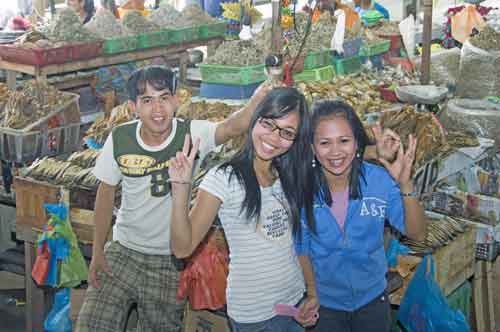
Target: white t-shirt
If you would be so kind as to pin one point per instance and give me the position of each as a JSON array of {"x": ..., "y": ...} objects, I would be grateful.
[
  {"x": 263, "y": 267},
  {"x": 143, "y": 221}
]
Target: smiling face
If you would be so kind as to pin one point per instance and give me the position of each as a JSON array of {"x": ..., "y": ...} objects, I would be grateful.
[
  {"x": 267, "y": 140},
  {"x": 335, "y": 146},
  {"x": 156, "y": 110}
]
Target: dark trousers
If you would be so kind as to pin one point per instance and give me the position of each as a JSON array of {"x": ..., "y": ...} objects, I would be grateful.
[{"x": 372, "y": 317}]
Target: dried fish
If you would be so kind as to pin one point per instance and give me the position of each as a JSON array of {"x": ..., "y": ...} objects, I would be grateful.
[
  {"x": 101, "y": 128},
  {"x": 165, "y": 16},
  {"x": 193, "y": 15},
  {"x": 384, "y": 27},
  {"x": 66, "y": 27},
  {"x": 105, "y": 25},
  {"x": 137, "y": 23},
  {"x": 237, "y": 53},
  {"x": 488, "y": 39}
]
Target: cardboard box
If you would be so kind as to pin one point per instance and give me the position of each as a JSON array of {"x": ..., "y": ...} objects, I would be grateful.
[{"x": 204, "y": 321}]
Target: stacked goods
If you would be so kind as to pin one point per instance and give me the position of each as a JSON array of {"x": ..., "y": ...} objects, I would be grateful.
[
  {"x": 35, "y": 100},
  {"x": 432, "y": 141},
  {"x": 101, "y": 128},
  {"x": 74, "y": 173}
]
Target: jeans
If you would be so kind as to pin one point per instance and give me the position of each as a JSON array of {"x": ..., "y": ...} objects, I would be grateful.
[
  {"x": 275, "y": 324},
  {"x": 372, "y": 317}
]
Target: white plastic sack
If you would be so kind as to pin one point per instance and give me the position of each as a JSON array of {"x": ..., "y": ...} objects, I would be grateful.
[
  {"x": 407, "y": 29},
  {"x": 479, "y": 72},
  {"x": 337, "y": 41}
]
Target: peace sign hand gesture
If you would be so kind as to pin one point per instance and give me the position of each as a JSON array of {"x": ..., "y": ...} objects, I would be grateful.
[
  {"x": 401, "y": 168},
  {"x": 180, "y": 169}
]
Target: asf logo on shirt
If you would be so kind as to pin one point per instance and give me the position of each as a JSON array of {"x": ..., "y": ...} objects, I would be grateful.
[{"x": 374, "y": 207}]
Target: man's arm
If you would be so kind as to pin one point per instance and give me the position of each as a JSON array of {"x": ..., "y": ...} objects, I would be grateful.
[{"x": 237, "y": 123}]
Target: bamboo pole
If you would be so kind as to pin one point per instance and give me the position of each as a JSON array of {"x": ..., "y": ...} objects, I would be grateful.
[
  {"x": 426, "y": 42},
  {"x": 276, "y": 27}
]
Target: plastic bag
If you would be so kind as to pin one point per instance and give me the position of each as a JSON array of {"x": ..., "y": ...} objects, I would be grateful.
[
  {"x": 424, "y": 307},
  {"x": 480, "y": 117},
  {"x": 407, "y": 28},
  {"x": 394, "y": 250},
  {"x": 204, "y": 279},
  {"x": 479, "y": 73},
  {"x": 58, "y": 318},
  {"x": 464, "y": 22},
  {"x": 445, "y": 66},
  {"x": 337, "y": 41},
  {"x": 41, "y": 267}
]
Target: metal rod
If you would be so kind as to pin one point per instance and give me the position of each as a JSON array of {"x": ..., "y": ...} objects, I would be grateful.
[{"x": 426, "y": 42}]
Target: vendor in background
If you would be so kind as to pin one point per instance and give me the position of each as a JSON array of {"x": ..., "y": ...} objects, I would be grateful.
[
  {"x": 352, "y": 17},
  {"x": 84, "y": 9},
  {"x": 365, "y": 5},
  {"x": 341, "y": 248}
]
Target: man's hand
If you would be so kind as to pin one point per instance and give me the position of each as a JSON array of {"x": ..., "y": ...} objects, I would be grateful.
[
  {"x": 308, "y": 311},
  {"x": 97, "y": 264}
]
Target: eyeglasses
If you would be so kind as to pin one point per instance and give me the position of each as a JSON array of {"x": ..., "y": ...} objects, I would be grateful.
[{"x": 271, "y": 125}]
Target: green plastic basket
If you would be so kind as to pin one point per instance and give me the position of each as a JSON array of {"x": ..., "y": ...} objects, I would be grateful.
[
  {"x": 316, "y": 60},
  {"x": 319, "y": 74},
  {"x": 119, "y": 45},
  {"x": 212, "y": 30},
  {"x": 232, "y": 75},
  {"x": 375, "y": 49},
  {"x": 153, "y": 39},
  {"x": 184, "y": 35},
  {"x": 345, "y": 66}
]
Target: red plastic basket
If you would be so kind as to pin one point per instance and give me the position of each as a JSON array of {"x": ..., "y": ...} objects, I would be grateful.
[
  {"x": 85, "y": 50},
  {"x": 405, "y": 63},
  {"x": 35, "y": 56},
  {"x": 396, "y": 41}
]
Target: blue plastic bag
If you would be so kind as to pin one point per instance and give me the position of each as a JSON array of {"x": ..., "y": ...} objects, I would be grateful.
[
  {"x": 394, "y": 250},
  {"x": 58, "y": 318},
  {"x": 424, "y": 307}
]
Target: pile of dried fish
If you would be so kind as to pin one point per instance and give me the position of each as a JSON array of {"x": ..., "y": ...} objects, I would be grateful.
[
  {"x": 202, "y": 110},
  {"x": 165, "y": 16},
  {"x": 439, "y": 233},
  {"x": 237, "y": 53},
  {"x": 432, "y": 141},
  {"x": 36, "y": 39},
  {"x": 370, "y": 37},
  {"x": 395, "y": 76},
  {"x": 193, "y": 15},
  {"x": 359, "y": 90},
  {"x": 66, "y": 27},
  {"x": 105, "y": 25},
  {"x": 387, "y": 28},
  {"x": 101, "y": 128},
  {"x": 488, "y": 39},
  {"x": 64, "y": 173},
  {"x": 135, "y": 22},
  {"x": 36, "y": 99},
  {"x": 85, "y": 158}
]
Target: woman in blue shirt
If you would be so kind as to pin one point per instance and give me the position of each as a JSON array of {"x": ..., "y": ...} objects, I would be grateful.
[{"x": 341, "y": 250}]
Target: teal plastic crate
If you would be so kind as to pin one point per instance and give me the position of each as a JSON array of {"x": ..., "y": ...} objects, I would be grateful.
[
  {"x": 232, "y": 75},
  {"x": 375, "y": 49},
  {"x": 212, "y": 30},
  {"x": 120, "y": 45},
  {"x": 345, "y": 66},
  {"x": 315, "y": 60},
  {"x": 153, "y": 39},
  {"x": 319, "y": 74}
]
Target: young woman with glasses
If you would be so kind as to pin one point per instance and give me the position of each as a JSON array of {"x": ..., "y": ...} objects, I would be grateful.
[{"x": 257, "y": 196}]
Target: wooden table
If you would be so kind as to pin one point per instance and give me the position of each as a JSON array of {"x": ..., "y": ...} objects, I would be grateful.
[
  {"x": 173, "y": 53},
  {"x": 38, "y": 299}
]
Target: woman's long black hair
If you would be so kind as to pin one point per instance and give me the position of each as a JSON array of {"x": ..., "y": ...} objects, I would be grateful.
[
  {"x": 293, "y": 172},
  {"x": 328, "y": 109}
]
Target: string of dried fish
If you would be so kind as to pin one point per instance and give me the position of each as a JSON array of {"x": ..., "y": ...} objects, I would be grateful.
[
  {"x": 36, "y": 99},
  {"x": 105, "y": 25},
  {"x": 135, "y": 22}
]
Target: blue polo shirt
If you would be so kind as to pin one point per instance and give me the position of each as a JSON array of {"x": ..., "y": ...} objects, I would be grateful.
[{"x": 350, "y": 265}]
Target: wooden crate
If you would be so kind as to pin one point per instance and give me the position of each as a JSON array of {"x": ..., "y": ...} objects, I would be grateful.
[{"x": 455, "y": 261}]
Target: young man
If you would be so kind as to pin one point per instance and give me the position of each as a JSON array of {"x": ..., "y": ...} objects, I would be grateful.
[{"x": 137, "y": 267}]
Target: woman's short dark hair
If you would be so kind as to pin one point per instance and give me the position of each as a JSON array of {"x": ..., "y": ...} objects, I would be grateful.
[
  {"x": 328, "y": 109},
  {"x": 159, "y": 77},
  {"x": 290, "y": 166}
]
